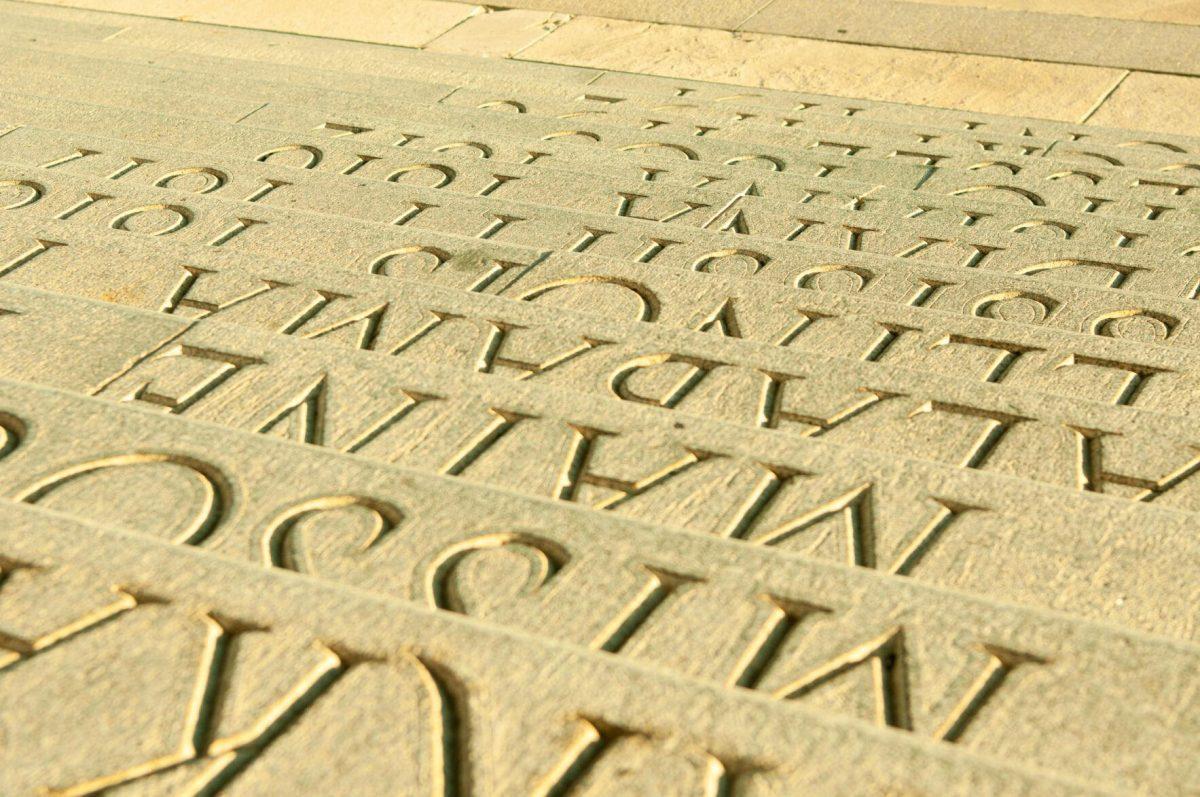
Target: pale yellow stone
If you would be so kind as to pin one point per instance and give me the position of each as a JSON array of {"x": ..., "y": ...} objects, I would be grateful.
[
  {"x": 497, "y": 34},
  {"x": 1167, "y": 103},
  {"x": 980, "y": 83},
  {"x": 1180, "y": 12},
  {"x": 409, "y": 24}
]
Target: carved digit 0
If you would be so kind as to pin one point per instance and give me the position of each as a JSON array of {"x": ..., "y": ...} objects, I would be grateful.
[
  {"x": 1018, "y": 306},
  {"x": 197, "y": 179},
  {"x": 177, "y": 217},
  {"x": 445, "y": 174},
  {"x": 409, "y": 254},
  {"x": 309, "y": 159},
  {"x": 1135, "y": 324},
  {"x": 751, "y": 260},
  {"x": 835, "y": 279}
]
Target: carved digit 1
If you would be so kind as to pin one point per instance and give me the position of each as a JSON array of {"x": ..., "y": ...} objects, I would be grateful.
[{"x": 783, "y": 617}]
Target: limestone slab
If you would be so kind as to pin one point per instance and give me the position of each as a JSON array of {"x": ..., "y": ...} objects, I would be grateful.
[
  {"x": 952, "y": 160},
  {"x": 1113, "y": 450},
  {"x": 791, "y": 392},
  {"x": 28, "y": 67},
  {"x": 991, "y": 184},
  {"x": 718, "y": 91},
  {"x": 738, "y": 131},
  {"x": 64, "y": 76},
  {"x": 1063, "y": 92},
  {"x": 1170, "y": 98},
  {"x": 321, "y": 53},
  {"x": 364, "y": 670},
  {"x": 886, "y": 221},
  {"x": 630, "y": 234},
  {"x": 757, "y": 488},
  {"x": 1185, "y": 13},
  {"x": 1020, "y": 34},
  {"x": 23, "y": 27},
  {"x": 500, "y": 33},
  {"x": 418, "y": 22},
  {"x": 636, "y": 290},
  {"x": 176, "y": 35},
  {"x": 1066, "y": 185},
  {"x": 786, "y": 390},
  {"x": 459, "y": 328}
]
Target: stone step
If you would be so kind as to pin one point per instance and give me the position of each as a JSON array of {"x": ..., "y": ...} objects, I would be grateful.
[
  {"x": 52, "y": 64},
  {"x": 626, "y": 290},
  {"x": 216, "y": 44},
  {"x": 51, "y": 194},
  {"x": 553, "y": 214},
  {"x": 329, "y": 656},
  {"x": 478, "y": 331},
  {"x": 789, "y": 392},
  {"x": 687, "y": 399},
  {"x": 744, "y": 207},
  {"x": 752, "y": 487},
  {"x": 951, "y": 168}
]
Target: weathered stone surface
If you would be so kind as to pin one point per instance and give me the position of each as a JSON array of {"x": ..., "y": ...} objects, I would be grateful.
[
  {"x": 345, "y": 93},
  {"x": 978, "y": 83},
  {"x": 706, "y": 606},
  {"x": 1063, "y": 37},
  {"x": 259, "y": 228},
  {"x": 1037, "y": 186},
  {"x": 273, "y": 295},
  {"x": 297, "y": 671},
  {"x": 763, "y": 488},
  {"x": 205, "y": 42},
  {"x": 762, "y": 442},
  {"x": 1074, "y": 195},
  {"x": 1139, "y": 256},
  {"x": 1168, "y": 97},
  {"x": 500, "y": 33}
]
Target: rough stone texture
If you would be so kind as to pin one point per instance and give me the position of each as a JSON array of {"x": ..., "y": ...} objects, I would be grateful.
[
  {"x": 379, "y": 420},
  {"x": 297, "y": 671},
  {"x": 979, "y": 83},
  {"x": 1169, "y": 99},
  {"x": 970, "y": 286},
  {"x": 497, "y": 34},
  {"x": 147, "y": 274},
  {"x": 684, "y": 470}
]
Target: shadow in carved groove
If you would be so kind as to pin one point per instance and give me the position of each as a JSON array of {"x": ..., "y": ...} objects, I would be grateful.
[{"x": 12, "y": 433}]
